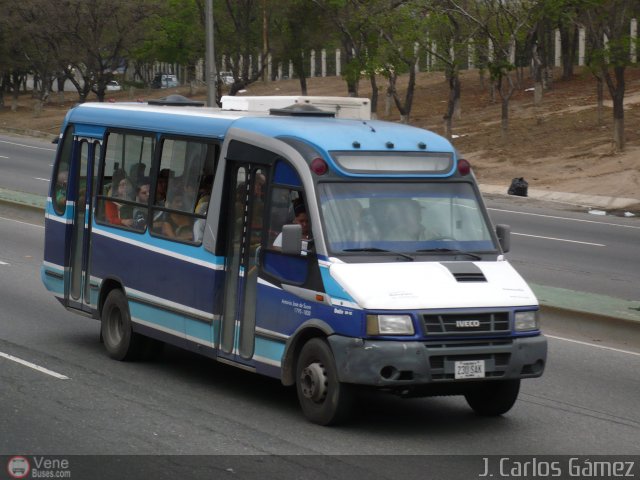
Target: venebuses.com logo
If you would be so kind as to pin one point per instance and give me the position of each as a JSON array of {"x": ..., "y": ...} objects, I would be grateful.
[{"x": 18, "y": 467}]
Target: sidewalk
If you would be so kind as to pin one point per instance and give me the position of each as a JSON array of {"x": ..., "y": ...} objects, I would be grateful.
[
  {"x": 593, "y": 201},
  {"x": 566, "y": 300}
]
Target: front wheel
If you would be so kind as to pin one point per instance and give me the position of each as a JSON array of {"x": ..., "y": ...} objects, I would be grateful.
[
  {"x": 491, "y": 399},
  {"x": 323, "y": 398}
]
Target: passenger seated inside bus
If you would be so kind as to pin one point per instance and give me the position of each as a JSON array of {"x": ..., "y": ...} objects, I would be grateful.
[
  {"x": 204, "y": 193},
  {"x": 161, "y": 187},
  {"x": 61, "y": 191},
  {"x": 142, "y": 197},
  {"x": 120, "y": 213},
  {"x": 176, "y": 225}
]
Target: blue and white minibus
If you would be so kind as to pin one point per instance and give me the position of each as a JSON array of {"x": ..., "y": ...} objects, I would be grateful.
[{"x": 293, "y": 237}]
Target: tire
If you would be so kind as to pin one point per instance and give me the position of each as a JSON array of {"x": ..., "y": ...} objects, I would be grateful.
[
  {"x": 493, "y": 398},
  {"x": 117, "y": 335},
  {"x": 323, "y": 398}
]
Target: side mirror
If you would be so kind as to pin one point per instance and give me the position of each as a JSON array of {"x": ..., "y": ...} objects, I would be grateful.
[
  {"x": 504, "y": 237},
  {"x": 292, "y": 239}
]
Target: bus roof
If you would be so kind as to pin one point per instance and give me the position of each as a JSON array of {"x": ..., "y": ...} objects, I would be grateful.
[{"x": 328, "y": 134}]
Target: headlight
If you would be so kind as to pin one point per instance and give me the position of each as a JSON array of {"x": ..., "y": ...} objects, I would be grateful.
[
  {"x": 525, "y": 321},
  {"x": 389, "y": 325}
]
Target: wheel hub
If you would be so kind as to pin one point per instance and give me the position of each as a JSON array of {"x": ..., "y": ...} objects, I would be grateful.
[{"x": 314, "y": 382}]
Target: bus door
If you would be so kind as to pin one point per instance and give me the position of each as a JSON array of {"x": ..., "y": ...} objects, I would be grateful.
[
  {"x": 78, "y": 284},
  {"x": 246, "y": 198}
]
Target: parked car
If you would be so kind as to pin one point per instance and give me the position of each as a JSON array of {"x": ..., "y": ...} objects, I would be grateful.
[
  {"x": 226, "y": 78},
  {"x": 113, "y": 86},
  {"x": 163, "y": 80}
]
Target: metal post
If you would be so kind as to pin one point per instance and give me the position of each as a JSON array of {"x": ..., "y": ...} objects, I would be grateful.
[{"x": 210, "y": 56}]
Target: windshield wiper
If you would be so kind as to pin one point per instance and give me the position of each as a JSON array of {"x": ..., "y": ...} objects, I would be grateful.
[
  {"x": 379, "y": 250},
  {"x": 450, "y": 251}
]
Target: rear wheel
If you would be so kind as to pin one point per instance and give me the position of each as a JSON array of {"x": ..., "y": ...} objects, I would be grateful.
[
  {"x": 323, "y": 398},
  {"x": 493, "y": 398},
  {"x": 118, "y": 337}
]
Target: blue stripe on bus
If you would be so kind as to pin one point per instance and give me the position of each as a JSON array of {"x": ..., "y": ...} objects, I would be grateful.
[
  {"x": 161, "y": 274},
  {"x": 169, "y": 322}
]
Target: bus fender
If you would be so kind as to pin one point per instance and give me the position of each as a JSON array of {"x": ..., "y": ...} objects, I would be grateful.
[{"x": 310, "y": 329}]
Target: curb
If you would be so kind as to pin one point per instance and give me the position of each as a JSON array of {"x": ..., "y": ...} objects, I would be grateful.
[
  {"x": 29, "y": 200},
  {"x": 577, "y": 199},
  {"x": 561, "y": 299},
  {"x": 591, "y": 304}
]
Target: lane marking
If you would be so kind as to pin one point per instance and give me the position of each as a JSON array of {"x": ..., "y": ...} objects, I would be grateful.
[
  {"x": 57, "y": 375},
  {"x": 43, "y": 179},
  {"x": 28, "y": 146},
  {"x": 3, "y": 263},
  {"x": 3, "y": 156},
  {"x": 602, "y": 347},
  {"x": 22, "y": 223},
  {"x": 559, "y": 239},
  {"x": 565, "y": 218}
]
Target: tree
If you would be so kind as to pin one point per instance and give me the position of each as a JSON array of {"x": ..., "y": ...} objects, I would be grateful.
[
  {"x": 239, "y": 28},
  {"x": 32, "y": 48},
  {"x": 175, "y": 35},
  {"x": 608, "y": 25},
  {"x": 351, "y": 18},
  {"x": 300, "y": 27},
  {"x": 503, "y": 23},
  {"x": 401, "y": 52},
  {"x": 451, "y": 34}
]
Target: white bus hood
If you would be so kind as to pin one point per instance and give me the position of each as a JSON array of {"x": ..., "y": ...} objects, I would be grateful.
[{"x": 429, "y": 285}]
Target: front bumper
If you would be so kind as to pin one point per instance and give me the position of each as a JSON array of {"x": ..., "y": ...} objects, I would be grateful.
[{"x": 401, "y": 364}]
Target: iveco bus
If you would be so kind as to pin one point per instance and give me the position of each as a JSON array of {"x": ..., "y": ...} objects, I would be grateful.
[{"x": 293, "y": 237}]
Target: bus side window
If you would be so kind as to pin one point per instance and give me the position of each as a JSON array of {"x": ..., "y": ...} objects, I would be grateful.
[
  {"x": 61, "y": 176},
  {"x": 118, "y": 203},
  {"x": 184, "y": 186}
]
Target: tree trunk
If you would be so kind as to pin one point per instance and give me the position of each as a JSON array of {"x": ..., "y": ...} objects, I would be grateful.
[
  {"x": 505, "y": 95},
  {"x": 454, "y": 95},
  {"x": 504, "y": 124},
  {"x": 600, "y": 101},
  {"x": 537, "y": 94},
  {"x": 537, "y": 75},
  {"x": 374, "y": 95},
  {"x": 567, "y": 50},
  {"x": 616, "y": 90}
]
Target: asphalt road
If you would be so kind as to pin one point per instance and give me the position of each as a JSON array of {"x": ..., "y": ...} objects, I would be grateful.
[
  {"x": 586, "y": 402},
  {"x": 26, "y": 163},
  {"x": 564, "y": 246}
]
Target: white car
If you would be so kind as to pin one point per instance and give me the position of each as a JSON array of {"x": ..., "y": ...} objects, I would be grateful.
[
  {"x": 113, "y": 86},
  {"x": 162, "y": 80},
  {"x": 227, "y": 78}
]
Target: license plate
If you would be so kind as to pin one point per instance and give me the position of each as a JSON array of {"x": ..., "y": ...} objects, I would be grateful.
[{"x": 469, "y": 369}]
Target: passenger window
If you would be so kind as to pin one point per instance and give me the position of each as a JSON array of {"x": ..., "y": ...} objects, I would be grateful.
[
  {"x": 183, "y": 189},
  {"x": 61, "y": 177},
  {"x": 123, "y": 198}
]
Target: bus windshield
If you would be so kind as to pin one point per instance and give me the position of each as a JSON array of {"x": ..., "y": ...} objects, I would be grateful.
[{"x": 403, "y": 217}]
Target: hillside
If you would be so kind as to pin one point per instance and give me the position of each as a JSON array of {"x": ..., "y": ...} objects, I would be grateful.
[{"x": 558, "y": 146}]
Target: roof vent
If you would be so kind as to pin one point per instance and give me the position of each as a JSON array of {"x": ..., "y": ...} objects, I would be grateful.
[
  {"x": 301, "y": 110},
  {"x": 176, "y": 101}
]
